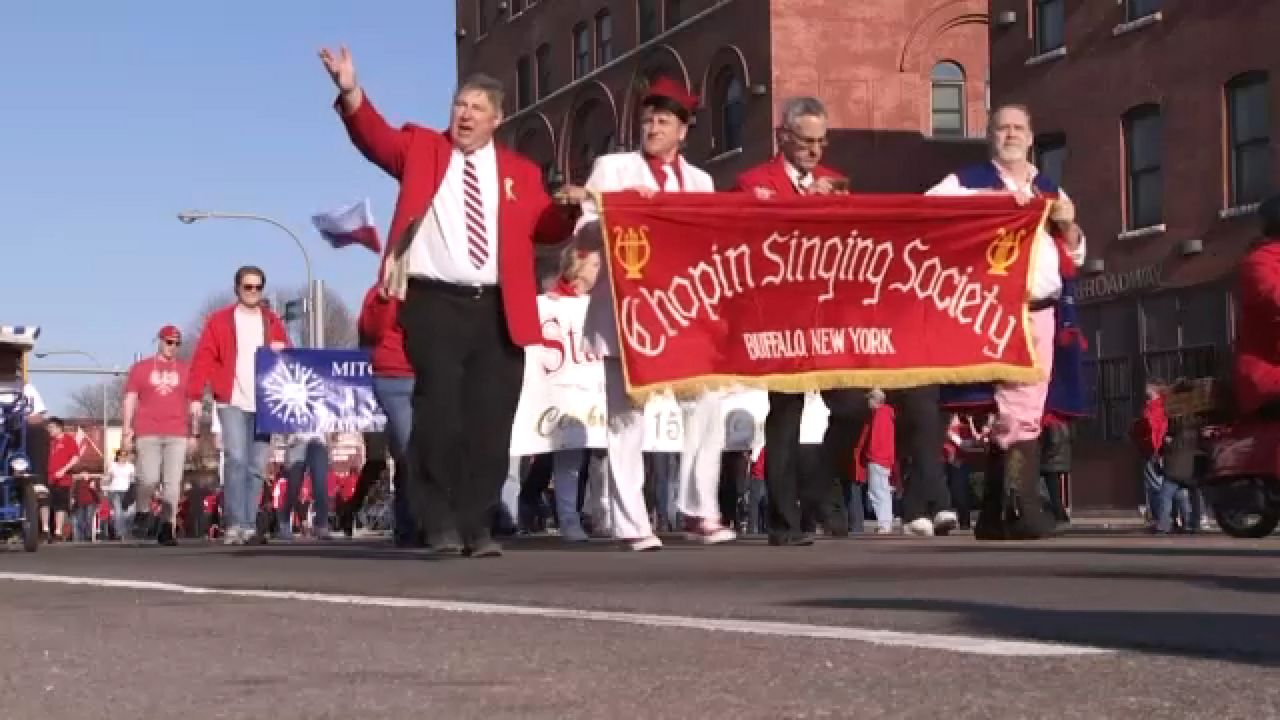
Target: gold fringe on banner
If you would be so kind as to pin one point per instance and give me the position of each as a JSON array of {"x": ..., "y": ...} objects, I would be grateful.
[{"x": 815, "y": 380}]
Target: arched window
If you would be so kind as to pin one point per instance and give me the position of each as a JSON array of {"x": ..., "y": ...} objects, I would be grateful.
[
  {"x": 730, "y": 110},
  {"x": 948, "y": 99},
  {"x": 591, "y": 135},
  {"x": 536, "y": 145}
]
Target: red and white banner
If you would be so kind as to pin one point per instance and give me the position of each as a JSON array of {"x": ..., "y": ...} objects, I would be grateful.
[{"x": 820, "y": 292}]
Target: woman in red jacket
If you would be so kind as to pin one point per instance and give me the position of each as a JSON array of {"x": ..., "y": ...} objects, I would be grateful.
[{"x": 380, "y": 333}]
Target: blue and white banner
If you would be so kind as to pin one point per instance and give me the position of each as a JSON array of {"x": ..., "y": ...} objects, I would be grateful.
[{"x": 303, "y": 390}]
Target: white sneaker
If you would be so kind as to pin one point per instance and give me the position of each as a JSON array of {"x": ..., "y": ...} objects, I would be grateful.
[
  {"x": 944, "y": 522},
  {"x": 920, "y": 527},
  {"x": 648, "y": 544}
]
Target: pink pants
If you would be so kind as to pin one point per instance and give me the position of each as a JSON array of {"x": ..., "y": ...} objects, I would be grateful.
[{"x": 1020, "y": 407}]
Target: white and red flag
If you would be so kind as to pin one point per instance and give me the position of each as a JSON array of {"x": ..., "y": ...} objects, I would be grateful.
[{"x": 349, "y": 225}]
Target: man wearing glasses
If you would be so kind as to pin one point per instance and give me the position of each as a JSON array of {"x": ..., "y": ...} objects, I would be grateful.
[
  {"x": 224, "y": 360},
  {"x": 800, "y": 499},
  {"x": 155, "y": 427}
]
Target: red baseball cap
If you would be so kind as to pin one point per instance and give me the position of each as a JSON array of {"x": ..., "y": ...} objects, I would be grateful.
[{"x": 170, "y": 332}]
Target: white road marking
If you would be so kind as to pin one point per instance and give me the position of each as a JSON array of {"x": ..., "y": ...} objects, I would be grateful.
[{"x": 970, "y": 645}]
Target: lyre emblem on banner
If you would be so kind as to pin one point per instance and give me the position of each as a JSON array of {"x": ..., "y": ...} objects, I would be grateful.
[
  {"x": 1004, "y": 250},
  {"x": 632, "y": 250}
]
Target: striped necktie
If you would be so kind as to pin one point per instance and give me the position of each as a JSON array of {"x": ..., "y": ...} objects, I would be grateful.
[{"x": 477, "y": 238}]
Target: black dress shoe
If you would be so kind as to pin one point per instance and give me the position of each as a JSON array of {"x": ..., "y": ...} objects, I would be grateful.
[
  {"x": 791, "y": 540},
  {"x": 165, "y": 537}
]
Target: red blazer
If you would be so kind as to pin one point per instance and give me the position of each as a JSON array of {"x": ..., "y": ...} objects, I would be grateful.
[
  {"x": 418, "y": 158},
  {"x": 772, "y": 175},
  {"x": 380, "y": 332},
  {"x": 1257, "y": 361},
  {"x": 214, "y": 361}
]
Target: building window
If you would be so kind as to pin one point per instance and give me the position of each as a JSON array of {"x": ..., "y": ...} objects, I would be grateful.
[
  {"x": 1249, "y": 138},
  {"x": 1049, "y": 21},
  {"x": 524, "y": 82},
  {"x": 647, "y": 19},
  {"x": 604, "y": 38},
  {"x": 948, "y": 100},
  {"x": 542, "y": 63},
  {"x": 482, "y": 17},
  {"x": 1143, "y": 153},
  {"x": 591, "y": 135},
  {"x": 518, "y": 6},
  {"x": 1135, "y": 9},
  {"x": 730, "y": 110},
  {"x": 1051, "y": 155},
  {"x": 673, "y": 14},
  {"x": 581, "y": 50}
]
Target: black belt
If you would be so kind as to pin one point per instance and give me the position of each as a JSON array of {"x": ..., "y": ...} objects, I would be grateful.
[
  {"x": 469, "y": 291},
  {"x": 1045, "y": 304}
]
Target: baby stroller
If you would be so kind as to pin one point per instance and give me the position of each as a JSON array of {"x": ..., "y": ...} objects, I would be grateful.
[{"x": 19, "y": 488}]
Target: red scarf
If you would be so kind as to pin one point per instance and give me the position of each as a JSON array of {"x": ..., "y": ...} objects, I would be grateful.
[{"x": 658, "y": 168}]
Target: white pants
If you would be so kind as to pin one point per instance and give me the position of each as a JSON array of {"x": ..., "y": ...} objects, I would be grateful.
[
  {"x": 881, "y": 492},
  {"x": 704, "y": 439},
  {"x": 624, "y": 492}
]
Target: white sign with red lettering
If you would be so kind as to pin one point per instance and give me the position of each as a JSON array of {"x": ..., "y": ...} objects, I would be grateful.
[{"x": 562, "y": 402}]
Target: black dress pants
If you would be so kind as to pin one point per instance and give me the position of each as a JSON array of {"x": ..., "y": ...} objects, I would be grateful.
[
  {"x": 794, "y": 494},
  {"x": 920, "y": 433},
  {"x": 467, "y": 379}
]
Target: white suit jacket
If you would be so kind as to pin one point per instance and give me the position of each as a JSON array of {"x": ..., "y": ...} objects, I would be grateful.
[{"x": 614, "y": 173}]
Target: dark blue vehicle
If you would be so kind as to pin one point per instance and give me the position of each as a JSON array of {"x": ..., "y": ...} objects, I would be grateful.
[{"x": 19, "y": 487}]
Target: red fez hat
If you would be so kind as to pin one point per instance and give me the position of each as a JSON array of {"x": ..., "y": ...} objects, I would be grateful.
[
  {"x": 170, "y": 332},
  {"x": 665, "y": 87}
]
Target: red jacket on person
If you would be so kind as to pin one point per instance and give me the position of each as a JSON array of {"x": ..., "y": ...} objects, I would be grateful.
[
  {"x": 772, "y": 176},
  {"x": 1257, "y": 362},
  {"x": 877, "y": 444},
  {"x": 380, "y": 333},
  {"x": 214, "y": 362},
  {"x": 418, "y": 158},
  {"x": 1150, "y": 429}
]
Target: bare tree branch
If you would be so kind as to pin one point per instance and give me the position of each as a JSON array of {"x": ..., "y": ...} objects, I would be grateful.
[{"x": 86, "y": 401}]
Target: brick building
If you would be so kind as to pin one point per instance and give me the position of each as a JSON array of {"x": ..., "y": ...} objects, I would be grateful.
[
  {"x": 1156, "y": 116},
  {"x": 904, "y": 80}
]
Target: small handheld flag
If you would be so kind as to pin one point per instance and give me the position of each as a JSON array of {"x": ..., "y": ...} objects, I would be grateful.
[{"x": 352, "y": 224}]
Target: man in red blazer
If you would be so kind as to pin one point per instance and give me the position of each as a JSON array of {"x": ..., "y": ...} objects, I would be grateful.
[
  {"x": 462, "y": 262},
  {"x": 223, "y": 362},
  {"x": 797, "y": 503}
]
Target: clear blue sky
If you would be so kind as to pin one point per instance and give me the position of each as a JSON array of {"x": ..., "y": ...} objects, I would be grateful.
[{"x": 118, "y": 115}]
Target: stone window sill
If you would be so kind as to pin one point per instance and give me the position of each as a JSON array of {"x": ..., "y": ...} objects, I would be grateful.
[
  {"x": 1144, "y": 21},
  {"x": 1054, "y": 54},
  {"x": 1142, "y": 232},
  {"x": 1236, "y": 211}
]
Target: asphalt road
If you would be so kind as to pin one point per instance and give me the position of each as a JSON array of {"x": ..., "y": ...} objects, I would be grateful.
[{"x": 1105, "y": 625}]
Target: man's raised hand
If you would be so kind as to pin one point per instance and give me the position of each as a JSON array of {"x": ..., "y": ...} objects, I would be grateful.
[{"x": 341, "y": 68}]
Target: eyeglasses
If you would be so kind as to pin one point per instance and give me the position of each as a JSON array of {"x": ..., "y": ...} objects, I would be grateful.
[
  {"x": 810, "y": 141},
  {"x": 251, "y": 288}
]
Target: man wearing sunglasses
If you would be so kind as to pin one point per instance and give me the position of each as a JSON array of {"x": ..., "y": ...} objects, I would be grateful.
[
  {"x": 155, "y": 426},
  {"x": 224, "y": 360}
]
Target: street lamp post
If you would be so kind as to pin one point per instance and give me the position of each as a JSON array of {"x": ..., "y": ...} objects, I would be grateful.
[
  {"x": 188, "y": 217},
  {"x": 106, "y": 410}
]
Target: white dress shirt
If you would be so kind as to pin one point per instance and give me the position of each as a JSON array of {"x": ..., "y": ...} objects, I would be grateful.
[
  {"x": 1046, "y": 277},
  {"x": 439, "y": 250},
  {"x": 800, "y": 181}
]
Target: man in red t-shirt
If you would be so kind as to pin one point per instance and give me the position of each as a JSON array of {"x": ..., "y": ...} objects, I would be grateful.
[
  {"x": 155, "y": 423},
  {"x": 64, "y": 453}
]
